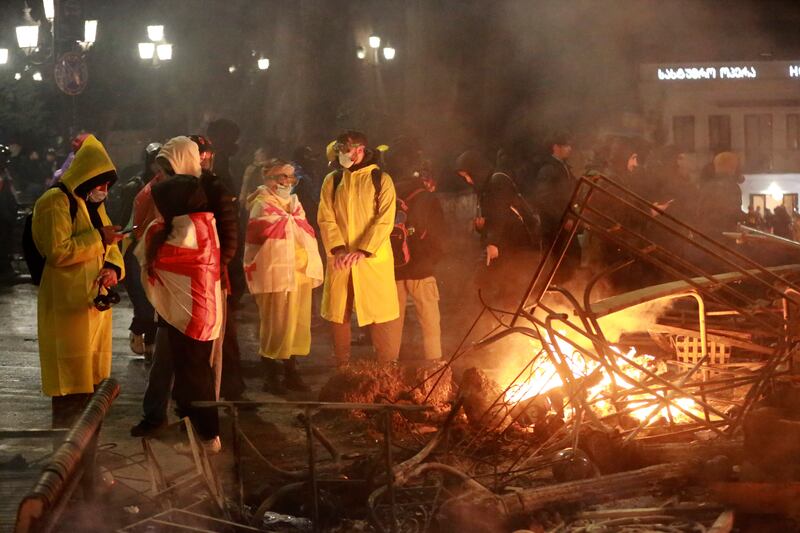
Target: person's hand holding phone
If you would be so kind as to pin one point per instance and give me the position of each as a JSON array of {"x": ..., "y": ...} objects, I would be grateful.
[{"x": 111, "y": 235}]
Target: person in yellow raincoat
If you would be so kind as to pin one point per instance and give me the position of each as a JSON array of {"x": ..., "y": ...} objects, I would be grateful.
[
  {"x": 281, "y": 265},
  {"x": 82, "y": 261},
  {"x": 356, "y": 217}
]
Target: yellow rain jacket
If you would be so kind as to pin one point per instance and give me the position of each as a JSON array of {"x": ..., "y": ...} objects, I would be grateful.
[
  {"x": 352, "y": 221},
  {"x": 74, "y": 337}
]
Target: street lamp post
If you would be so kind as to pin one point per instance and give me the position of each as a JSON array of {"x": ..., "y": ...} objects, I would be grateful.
[
  {"x": 157, "y": 50},
  {"x": 153, "y": 53},
  {"x": 374, "y": 42}
]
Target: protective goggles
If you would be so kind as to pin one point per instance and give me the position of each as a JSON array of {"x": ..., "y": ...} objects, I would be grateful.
[{"x": 345, "y": 147}]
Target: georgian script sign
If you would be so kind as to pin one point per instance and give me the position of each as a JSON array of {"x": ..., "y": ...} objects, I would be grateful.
[
  {"x": 71, "y": 73},
  {"x": 708, "y": 73}
]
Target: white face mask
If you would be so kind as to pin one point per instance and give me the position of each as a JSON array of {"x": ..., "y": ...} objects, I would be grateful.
[
  {"x": 284, "y": 191},
  {"x": 96, "y": 196},
  {"x": 345, "y": 160}
]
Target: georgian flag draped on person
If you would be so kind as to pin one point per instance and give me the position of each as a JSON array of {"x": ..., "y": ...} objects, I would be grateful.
[
  {"x": 269, "y": 256},
  {"x": 184, "y": 282}
]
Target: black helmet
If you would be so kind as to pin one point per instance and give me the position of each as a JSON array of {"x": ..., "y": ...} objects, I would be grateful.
[{"x": 151, "y": 151}]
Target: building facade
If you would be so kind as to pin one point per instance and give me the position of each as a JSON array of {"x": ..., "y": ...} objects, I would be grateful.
[{"x": 751, "y": 108}]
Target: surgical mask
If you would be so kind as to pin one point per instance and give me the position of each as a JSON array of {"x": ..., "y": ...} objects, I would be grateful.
[
  {"x": 345, "y": 160},
  {"x": 96, "y": 196},
  {"x": 284, "y": 191}
]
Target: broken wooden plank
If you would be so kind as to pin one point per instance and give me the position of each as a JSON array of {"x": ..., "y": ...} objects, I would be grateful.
[
  {"x": 686, "y": 508},
  {"x": 723, "y": 523},
  {"x": 457, "y": 513},
  {"x": 652, "y": 453}
]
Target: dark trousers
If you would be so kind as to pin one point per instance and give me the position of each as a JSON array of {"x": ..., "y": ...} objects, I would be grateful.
[
  {"x": 232, "y": 384},
  {"x": 67, "y": 409},
  {"x": 143, "y": 322},
  {"x": 159, "y": 382},
  {"x": 188, "y": 360}
]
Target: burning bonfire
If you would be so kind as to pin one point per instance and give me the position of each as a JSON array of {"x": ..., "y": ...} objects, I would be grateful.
[{"x": 611, "y": 389}]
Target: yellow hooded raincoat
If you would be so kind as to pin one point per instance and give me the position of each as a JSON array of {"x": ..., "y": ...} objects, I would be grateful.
[
  {"x": 354, "y": 222},
  {"x": 74, "y": 337}
]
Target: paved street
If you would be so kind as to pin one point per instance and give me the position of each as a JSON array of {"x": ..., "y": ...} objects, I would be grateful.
[{"x": 24, "y": 407}]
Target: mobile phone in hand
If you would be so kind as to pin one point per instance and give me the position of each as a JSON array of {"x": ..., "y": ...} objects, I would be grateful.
[{"x": 128, "y": 230}]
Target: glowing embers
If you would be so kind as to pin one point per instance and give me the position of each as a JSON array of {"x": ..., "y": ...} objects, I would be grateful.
[{"x": 622, "y": 386}]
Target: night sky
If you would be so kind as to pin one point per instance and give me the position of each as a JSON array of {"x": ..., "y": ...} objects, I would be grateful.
[{"x": 467, "y": 72}]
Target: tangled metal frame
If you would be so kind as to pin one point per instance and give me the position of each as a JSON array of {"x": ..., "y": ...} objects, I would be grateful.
[{"x": 632, "y": 229}]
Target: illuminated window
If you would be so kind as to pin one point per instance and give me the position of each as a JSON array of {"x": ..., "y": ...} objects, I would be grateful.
[
  {"x": 719, "y": 133},
  {"x": 793, "y": 131},
  {"x": 758, "y": 142},
  {"x": 683, "y": 133}
]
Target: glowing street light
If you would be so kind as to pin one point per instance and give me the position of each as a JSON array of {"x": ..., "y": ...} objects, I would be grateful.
[
  {"x": 374, "y": 41},
  {"x": 89, "y": 32},
  {"x": 3, "y": 56},
  {"x": 17, "y": 76},
  {"x": 155, "y": 33},
  {"x": 263, "y": 63},
  {"x": 147, "y": 50},
  {"x": 28, "y": 37},
  {"x": 361, "y": 53},
  {"x": 389, "y": 53},
  {"x": 164, "y": 51},
  {"x": 49, "y": 10},
  {"x": 37, "y": 76}
]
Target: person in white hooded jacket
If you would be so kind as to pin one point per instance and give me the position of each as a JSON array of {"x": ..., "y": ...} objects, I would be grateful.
[
  {"x": 282, "y": 265},
  {"x": 180, "y": 260}
]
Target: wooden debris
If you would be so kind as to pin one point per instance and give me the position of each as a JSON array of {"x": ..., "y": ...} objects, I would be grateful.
[
  {"x": 723, "y": 524},
  {"x": 457, "y": 514}
]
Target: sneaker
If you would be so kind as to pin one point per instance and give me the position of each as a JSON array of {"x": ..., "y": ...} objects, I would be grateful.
[
  {"x": 147, "y": 429},
  {"x": 212, "y": 447},
  {"x": 136, "y": 343}
]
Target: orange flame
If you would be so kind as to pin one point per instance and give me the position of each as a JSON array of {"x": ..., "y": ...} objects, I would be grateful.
[{"x": 544, "y": 377}]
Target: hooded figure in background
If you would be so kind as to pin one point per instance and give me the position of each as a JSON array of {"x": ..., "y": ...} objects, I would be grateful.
[
  {"x": 508, "y": 227},
  {"x": 81, "y": 262},
  {"x": 720, "y": 199}
]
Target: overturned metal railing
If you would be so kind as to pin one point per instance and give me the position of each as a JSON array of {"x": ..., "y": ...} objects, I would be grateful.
[
  {"x": 70, "y": 467},
  {"x": 699, "y": 266},
  {"x": 310, "y": 479}
]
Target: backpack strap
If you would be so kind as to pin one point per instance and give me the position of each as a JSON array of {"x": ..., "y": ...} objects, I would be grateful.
[
  {"x": 73, "y": 204},
  {"x": 377, "y": 174},
  {"x": 337, "y": 179}
]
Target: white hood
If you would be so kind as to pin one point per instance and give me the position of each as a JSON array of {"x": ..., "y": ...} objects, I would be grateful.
[{"x": 183, "y": 155}]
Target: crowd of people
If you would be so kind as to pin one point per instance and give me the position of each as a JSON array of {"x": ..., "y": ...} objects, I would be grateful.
[{"x": 186, "y": 239}]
